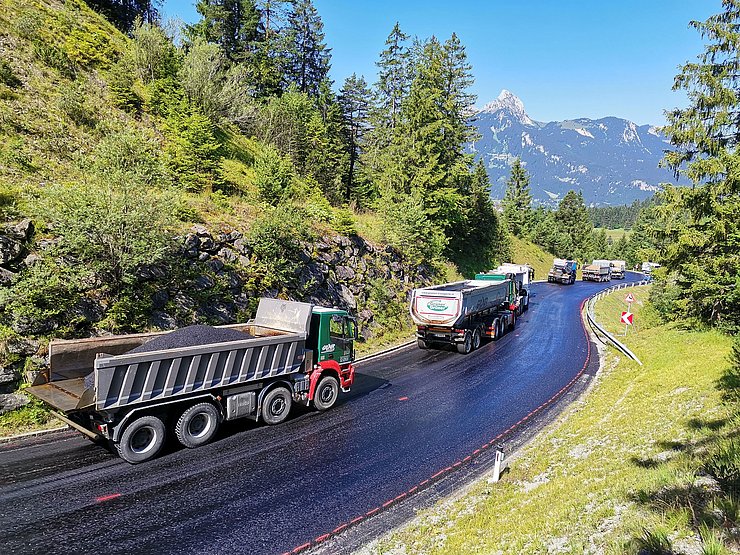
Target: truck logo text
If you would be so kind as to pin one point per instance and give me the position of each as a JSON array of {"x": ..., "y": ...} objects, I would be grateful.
[
  {"x": 437, "y": 306},
  {"x": 328, "y": 348}
]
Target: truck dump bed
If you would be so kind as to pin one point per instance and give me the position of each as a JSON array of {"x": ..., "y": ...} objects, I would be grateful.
[
  {"x": 447, "y": 304},
  {"x": 273, "y": 344}
]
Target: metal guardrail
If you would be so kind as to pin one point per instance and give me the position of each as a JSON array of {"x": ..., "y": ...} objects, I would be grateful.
[{"x": 596, "y": 327}]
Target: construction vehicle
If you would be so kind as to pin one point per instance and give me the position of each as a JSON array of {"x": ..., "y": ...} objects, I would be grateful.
[
  {"x": 133, "y": 390},
  {"x": 563, "y": 271},
  {"x": 598, "y": 270},
  {"x": 648, "y": 267},
  {"x": 463, "y": 313},
  {"x": 618, "y": 268},
  {"x": 522, "y": 276}
]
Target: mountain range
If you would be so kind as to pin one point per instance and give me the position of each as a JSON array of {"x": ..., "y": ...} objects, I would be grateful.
[{"x": 611, "y": 160}]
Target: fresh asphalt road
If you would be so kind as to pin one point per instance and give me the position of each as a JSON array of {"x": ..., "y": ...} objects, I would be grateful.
[{"x": 259, "y": 489}]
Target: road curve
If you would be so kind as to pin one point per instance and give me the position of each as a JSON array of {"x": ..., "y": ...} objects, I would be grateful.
[{"x": 258, "y": 489}]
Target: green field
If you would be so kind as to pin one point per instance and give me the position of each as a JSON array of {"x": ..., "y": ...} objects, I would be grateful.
[
  {"x": 615, "y": 234},
  {"x": 621, "y": 472}
]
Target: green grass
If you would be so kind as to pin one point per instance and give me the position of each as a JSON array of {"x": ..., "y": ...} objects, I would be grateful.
[
  {"x": 524, "y": 252},
  {"x": 615, "y": 234},
  {"x": 619, "y": 473}
]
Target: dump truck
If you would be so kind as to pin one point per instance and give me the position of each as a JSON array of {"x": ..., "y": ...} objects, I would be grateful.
[
  {"x": 463, "y": 313},
  {"x": 618, "y": 268},
  {"x": 522, "y": 276},
  {"x": 131, "y": 391},
  {"x": 598, "y": 270},
  {"x": 648, "y": 267},
  {"x": 563, "y": 271}
]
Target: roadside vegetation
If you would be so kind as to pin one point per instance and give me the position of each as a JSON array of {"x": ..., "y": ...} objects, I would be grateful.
[{"x": 646, "y": 463}]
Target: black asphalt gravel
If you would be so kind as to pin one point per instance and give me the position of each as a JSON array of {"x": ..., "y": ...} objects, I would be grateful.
[
  {"x": 260, "y": 489},
  {"x": 191, "y": 336}
]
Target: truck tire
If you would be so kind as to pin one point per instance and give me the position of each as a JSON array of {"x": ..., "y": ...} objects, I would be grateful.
[
  {"x": 326, "y": 394},
  {"x": 512, "y": 326},
  {"x": 142, "y": 439},
  {"x": 476, "y": 339},
  {"x": 197, "y": 425},
  {"x": 422, "y": 344},
  {"x": 501, "y": 329},
  {"x": 466, "y": 346},
  {"x": 276, "y": 405}
]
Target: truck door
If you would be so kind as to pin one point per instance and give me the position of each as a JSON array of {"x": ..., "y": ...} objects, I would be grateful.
[{"x": 342, "y": 331}]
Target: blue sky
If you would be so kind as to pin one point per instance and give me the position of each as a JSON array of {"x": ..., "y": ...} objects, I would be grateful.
[{"x": 564, "y": 59}]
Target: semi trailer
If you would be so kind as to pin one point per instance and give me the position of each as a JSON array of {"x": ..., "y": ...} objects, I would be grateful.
[
  {"x": 134, "y": 390},
  {"x": 463, "y": 313},
  {"x": 563, "y": 271},
  {"x": 618, "y": 268},
  {"x": 598, "y": 270},
  {"x": 521, "y": 274}
]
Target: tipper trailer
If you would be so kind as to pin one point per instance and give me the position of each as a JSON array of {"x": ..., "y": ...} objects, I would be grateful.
[
  {"x": 618, "y": 268},
  {"x": 563, "y": 271},
  {"x": 522, "y": 276},
  {"x": 598, "y": 270},
  {"x": 131, "y": 390},
  {"x": 463, "y": 313}
]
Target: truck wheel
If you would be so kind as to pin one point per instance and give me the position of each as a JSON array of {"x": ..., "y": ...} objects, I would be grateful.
[
  {"x": 142, "y": 439},
  {"x": 513, "y": 322},
  {"x": 326, "y": 394},
  {"x": 466, "y": 346},
  {"x": 501, "y": 329},
  {"x": 197, "y": 425},
  {"x": 476, "y": 338},
  {"x": 422, "y": 344},
  {"x": 276, "y": 405}
]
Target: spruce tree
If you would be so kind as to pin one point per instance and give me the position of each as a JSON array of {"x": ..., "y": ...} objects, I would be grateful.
[
  {"x": 393, "y": 77},
  {"x": 355, "y": 100},
  {"x": 232, "y": 24},
  {"x": 518, "y": 200},
  {"x": 307, "y": 58},
  {"x": 705, "y": 255},
  {"x": 574, "y": 226}
]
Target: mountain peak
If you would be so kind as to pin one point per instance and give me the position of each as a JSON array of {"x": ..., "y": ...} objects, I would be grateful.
[{"x": 511, "y": 103}]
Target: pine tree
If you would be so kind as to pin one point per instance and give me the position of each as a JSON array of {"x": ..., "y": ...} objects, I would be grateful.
[
  {"x": 518, "y": 200},
  {"x": 232, "y": 24},
  {"x": 355, "y": 100},
  {"x": 124, "y": 13},
  {"x": 705, "y": 256},
  {"x": 307, "y": 58}
]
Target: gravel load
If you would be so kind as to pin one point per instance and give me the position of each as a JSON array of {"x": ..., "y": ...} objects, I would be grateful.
[{"x": 191, "y": 336}]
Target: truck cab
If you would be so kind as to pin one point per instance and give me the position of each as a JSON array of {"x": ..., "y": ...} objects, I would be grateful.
[{"x": 332, "y": 335}]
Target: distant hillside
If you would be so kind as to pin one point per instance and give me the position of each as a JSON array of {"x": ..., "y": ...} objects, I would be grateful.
[{"x": 612, "y": 160}]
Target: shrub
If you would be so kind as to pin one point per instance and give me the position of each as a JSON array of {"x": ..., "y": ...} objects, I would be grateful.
[
  {"x": 273, "y": 176},
  {"x": 275, "y": 242},
  {"x": 201, "y": 75},
  {"x": 112, "y": 228},
  {"x": 39, "y": 298},
  {"x": 343, "y": 222},
  {"x": 193, "y": 150},
  {"x": 89, "y": 46},
  {"x": 8, "y": 76},
  {"x": 724, "y": 463},
  {"x": 72, "y": 102},
  {"x": 122, "y": 90},
  {"x": 55, "y": 58},
  {"x": 126, "y": 155}
]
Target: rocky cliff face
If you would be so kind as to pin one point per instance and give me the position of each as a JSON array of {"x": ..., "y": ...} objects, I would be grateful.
[{"x": 212, "y": 278}]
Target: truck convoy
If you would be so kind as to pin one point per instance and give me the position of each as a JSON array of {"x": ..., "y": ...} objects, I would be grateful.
[
  {"x": 132, "y": 390},
  {"x": 563, "y": 271},
  {"x": 618, "y": 268},
  {"x": 598, "y": 270},
  {"x": 463, "y": 313}
]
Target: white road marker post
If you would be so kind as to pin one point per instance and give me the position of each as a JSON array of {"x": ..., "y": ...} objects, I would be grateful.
[{"x": 497, "y": 464}]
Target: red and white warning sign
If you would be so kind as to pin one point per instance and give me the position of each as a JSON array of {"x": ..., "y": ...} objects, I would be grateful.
[
  {"x": 630, "y": 298},
  {"x": 627, "y": 318}
]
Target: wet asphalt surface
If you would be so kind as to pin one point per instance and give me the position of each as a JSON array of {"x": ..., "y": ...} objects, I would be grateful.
[{"x": 259, "y": 489}]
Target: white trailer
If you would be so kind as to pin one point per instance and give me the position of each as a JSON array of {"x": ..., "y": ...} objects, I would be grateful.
[
  {"x": 598, "y": 270},
  {"x": 463, "y": 313},
  {"x": 618, "y": 268}
]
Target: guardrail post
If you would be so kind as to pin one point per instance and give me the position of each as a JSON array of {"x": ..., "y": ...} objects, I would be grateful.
[{"x": 497, "y": 464}]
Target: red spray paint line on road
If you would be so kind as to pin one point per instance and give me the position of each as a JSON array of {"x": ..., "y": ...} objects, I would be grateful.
[
  {"x": 104, "y": 498},
  {"x": 439, "y": 475}
]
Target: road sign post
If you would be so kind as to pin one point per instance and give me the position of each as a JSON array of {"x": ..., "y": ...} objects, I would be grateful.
[{"x": 627, "y": 316}]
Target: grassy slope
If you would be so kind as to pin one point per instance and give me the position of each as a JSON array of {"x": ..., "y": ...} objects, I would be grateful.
[
  {"x": 618, "y": 465},
  {"x": 615, "y": 234},
  {"x": 524, "y": 252}
]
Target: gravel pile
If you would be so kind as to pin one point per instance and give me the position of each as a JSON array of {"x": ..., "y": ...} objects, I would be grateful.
[{"x": 190, "y": 337}]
